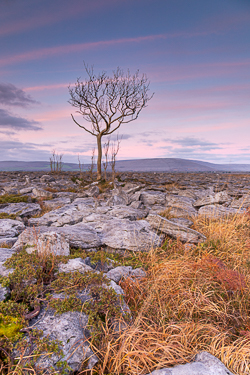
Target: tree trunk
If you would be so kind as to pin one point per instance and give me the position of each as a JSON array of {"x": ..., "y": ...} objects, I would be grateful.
[{"x": 99, "y": 157}]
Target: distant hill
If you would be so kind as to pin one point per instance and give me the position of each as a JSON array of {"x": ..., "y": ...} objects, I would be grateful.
[{"x": 142, "y": 165}]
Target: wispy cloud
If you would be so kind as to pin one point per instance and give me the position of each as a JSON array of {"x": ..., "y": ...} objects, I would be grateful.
[
  {"x": 13, "y": 96},
  {"x": 8, "y": 120}
]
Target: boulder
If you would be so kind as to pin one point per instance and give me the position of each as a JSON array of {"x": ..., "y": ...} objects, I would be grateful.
[
  {"x": 73, "y": 265},
  {"x": 214, "y": 211},
  {"x": 47, "y": 178},
  {"x": 57, "y": 202},
  {"x": 70, "y": 330},
  {"x": 41, "y": 193},
  {"x": 50, "y": 243},
  {"x": 128, "y": 235},
  {"x": 116, "y": 274},
  {"x": 203, "y": 364},
  {"x": 151, "y": 197},
  {"x": 10, "y": 228},
  {"x": 79, "y": 235},
  {"x": 22, "y": 209},
  {"x": 218, "y": 198},
  {"x": 175, "y": 230}
]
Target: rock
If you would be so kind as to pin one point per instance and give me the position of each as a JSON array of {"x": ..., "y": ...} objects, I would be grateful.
[
  {"x": 69, "y": 214},
  {"x": 243, "y": 202},
  {"x": 118, "y": 197},
  {"x": 70, "y": 330},
  {"x": 127, "y": 212},
  {"x": 152, "y": 197},
  {"x": 47, "y": 178},
  {"x": 56, "y": 203},
  {"x": 10, "y": 228},
  {"x": 136, "y": 204},
  {"x": 174, "y": 230},
  {"x": 138, "y": 273},
  {"x": 3, "y": 293},
  {"x": 7, "y": 241},
  {"x": 182, "y": 221},
  {"x": 50, "y": 243},
  {"x": 5, "y": 254},
  {"x": 26, "y": 190},
  {"x": 73, "y": 265},
  {"x": 204, "y": 364},
  {"x": 79, "y": 236},
  {"x": 41, "y": 193},
  {"x": 213, "y": 211},
  {"x": 22, "y": 209},
  {"x": 127, "y": 235},
  {"x": 94, "y": 191},
  {"x": 221, "y": 197},
  {"x": 119, "y": 272}
]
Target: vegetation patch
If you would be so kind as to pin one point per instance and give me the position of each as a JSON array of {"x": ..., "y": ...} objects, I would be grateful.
[{"x": 13, "y": 198}]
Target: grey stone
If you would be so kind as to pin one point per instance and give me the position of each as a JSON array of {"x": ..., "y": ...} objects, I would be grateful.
[
  {"x": 41, "y": 193},
  {"x": 26, "y": 190},
  {"x": 73, "y": 265},
  {"x": 10, "y": 228},
  {"x": 47, "y": 178},
  {"x": 79, "y": 235},
  {"x": 118, "y": 197},
  {"x": 214, "y": 211},
  {"x": 57, "y": 202},
  {"x": 9, "y": 241},
  {"x": 6, "y": 254},
  {"x": 138, "y": 273},
  {"x": 70, "y": 329},
  {"x": 5, "y": 271},
  {"x": 50, "y": 243},
  {"x": 69, "y": 214},
  {"x": 116, "y": 274},
  {"x": 127, "y": 212},
  {"x": 124, "y": 234},
  {"x": 243, "y": 202},
  {"x": 94, "y": 191},
  {"x": 174, "y": 230},
  {"x": 219, "y": 198},
  {"x": 152, "y": 197},
  {"x": 22, "y": 209},
  {"x": 182, "y": 221},
  {"x": 3, "y": 293},
  {"x": 204, "y": 364}
]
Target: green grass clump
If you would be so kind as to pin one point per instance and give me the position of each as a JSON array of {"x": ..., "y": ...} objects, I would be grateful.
[
  {"x": 13, "y": 198},
  {"x": 4, "y": 215}
]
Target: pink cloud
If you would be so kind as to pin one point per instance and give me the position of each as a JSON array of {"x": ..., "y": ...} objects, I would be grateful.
[
  {"x": 49, "y": 16},
  {"x": 66, "y": 49},
  {"x": 46, "y": 87}
]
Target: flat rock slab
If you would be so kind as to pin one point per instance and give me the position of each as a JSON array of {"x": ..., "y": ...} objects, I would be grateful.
[
  {"x": 68, "y": 214},
  {"x": 174, "y": 230},
  {"x": 150, "y": 197},
  {"x": 204, "y": 364},
  {"x": 21, "y": 209},
  {"x": 128, "y": 235},
  {"x": 214, "y": 212},
  {"x": 79, "y": 235},
  {"x": 221, "y": 197},
  {"x": 70, "y": 329},
  {"x": 10, "y": 228},
  {"x": 5, "y": 254}
]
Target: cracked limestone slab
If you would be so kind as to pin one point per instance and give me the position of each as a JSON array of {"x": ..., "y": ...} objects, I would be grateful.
[{"x": 174, "y": 230}]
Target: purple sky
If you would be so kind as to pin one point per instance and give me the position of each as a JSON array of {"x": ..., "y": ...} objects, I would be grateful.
[{"x": 196, "y": 54}]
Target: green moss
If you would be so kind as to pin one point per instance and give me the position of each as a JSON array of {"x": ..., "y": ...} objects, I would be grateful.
[
  {"x": 4, "y": 215},
  {"x": 10, "y": 327},
  {"x": 67, "y": 304},
  {"x": 13, "y": 198}
]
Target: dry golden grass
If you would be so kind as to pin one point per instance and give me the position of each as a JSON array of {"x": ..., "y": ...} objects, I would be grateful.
[{"x": 191, "y": 300}]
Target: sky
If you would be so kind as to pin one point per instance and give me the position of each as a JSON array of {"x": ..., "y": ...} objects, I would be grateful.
[{"x": 195, "y": 53}]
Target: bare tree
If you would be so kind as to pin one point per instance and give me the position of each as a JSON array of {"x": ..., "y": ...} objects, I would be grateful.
[
  {"x": 114, "y": 151},
  {"x": 107, "y": 102},
  {"x": 106, "y": 161},
  {"x": 56, "y": 162}
]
